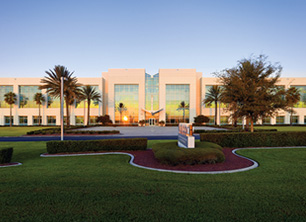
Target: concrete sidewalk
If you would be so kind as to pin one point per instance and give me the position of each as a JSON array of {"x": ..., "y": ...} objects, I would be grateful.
[{"x": 146, "y": 130}]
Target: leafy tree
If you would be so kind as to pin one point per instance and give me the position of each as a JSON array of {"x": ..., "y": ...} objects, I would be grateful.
[
  {"x": 292, "y": 97},
  {"x": 183, "y": 106},
  {"x": 214, "y": 95},
  {"x": 52, "y": 84},
  {"x": 250, "y": 89},
  {"x": 89, "y": 93},
  {"x": 10, "y": 98},
  {"x": 39, "y": 99},
  {"x": 121, "y": 108}
]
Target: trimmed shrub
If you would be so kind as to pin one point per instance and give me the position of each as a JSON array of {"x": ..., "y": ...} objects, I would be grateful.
[
  {"x": 200, "y": 119},
  {"x": 58, "y": 131},
  {"x": 72, "y": 146},
  {"x": 6, "y": 155},
  {"x": 232, "y": 130},
  {"x": 205, "y": 152},
  {"x": 256, "y": 139}
]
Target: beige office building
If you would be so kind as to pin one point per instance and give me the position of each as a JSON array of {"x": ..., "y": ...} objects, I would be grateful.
[{"x": 131, "y": 95}]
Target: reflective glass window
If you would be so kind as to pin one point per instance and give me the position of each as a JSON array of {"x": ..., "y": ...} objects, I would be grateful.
[
  {"x": 152, "y": 94},
  {"x": 93, "y": 120},
  {"x": 207, "y": 88},
  {"x": 93, "y": 104},
  {"x": 224, "y": 120},
  {"x": 23, "y": 120},
  {"x": 295, "y": 119},
  {"x": 175, "y": 95},
  {"x": 36, "y": 120},
  {"x": 280, "y": 120},
  {"x": 266, "y": 120},
  {"x": 79, "y": 120},
  {"x": 26, "y": 96},
  {"x": 7, "y": 120},
  {"x": 3, "y": 91},
  {"x": 128, "y": 96},
  {"x": 302, "y": 102},
  {"x": 51, "y": 120}
]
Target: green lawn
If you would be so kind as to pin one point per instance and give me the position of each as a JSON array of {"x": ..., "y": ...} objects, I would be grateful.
[
  {"x": 283, "y": 128},
  {"x": 107, "y": 188},
  {"x": 19, "y": 130}
]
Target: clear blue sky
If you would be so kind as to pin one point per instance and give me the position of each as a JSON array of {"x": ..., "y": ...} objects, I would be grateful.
[{"x": 89, "y": 37}]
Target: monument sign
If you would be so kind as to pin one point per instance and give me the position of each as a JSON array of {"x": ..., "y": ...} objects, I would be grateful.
[{"x": 185, "y": 135}]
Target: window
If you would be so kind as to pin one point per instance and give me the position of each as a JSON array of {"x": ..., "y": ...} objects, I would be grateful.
[
  {"x": 128, "y": 96},
  {"x": 79, "y": 120},
  {"x": 175, "y": 95},
  {"x": 295, "y": 119},
  {"x": 280, "y": 120},
  {"x": 224, "y": 120},
  {"x": 51, "y": 120},
  {"x": 266, "y": 120},
  {"x": 26, "y": 96},
  {"x": 302, "y": 102},
  {"x": 36, "y": 120},
  {"x": 3, "y": 91},
  {"x": 23, "y": 120},
  {"x": 304, "y": 119},
  {"x": 7, "y": 120},
  {"x": 93, "y": 120},
  {"x": 211, "y": 120}
]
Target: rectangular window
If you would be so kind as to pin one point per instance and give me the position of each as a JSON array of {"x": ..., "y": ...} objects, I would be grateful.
[
  {"x": 36, "y": 120},
  {"x": 93, "y": 120},
  {"x": 23, "y": 120},
  {"x": 295, "y": 119},
  {"x": 3, "y": 91},
  {"x": 93, "y": 103},
  {"x": 51, "y": 120},
  {"x": 26, "y": 96},
  {"x": 79, "y": 120},
  {"x": 302, "y": 102},
  {"x": 7, "y": 120},
  {"x": 280, "y": 120},
  {"x": 304, "y": 119},
  {"x": 211, "y": 120},
  {"x": 266, "y": 120},
  {"x": 224, "y": 120}
]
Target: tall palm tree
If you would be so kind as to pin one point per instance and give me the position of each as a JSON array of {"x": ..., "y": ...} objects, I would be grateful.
[
  {"x": 183, "y": 106},
  {"x": 10, "y": 98},
  {"x": 89, "y": 93},
  {"x": 121, "y": 108},
  {"x": 39, "y": 99},
  {"x": 214, "y": 95},
  {"x": 52, "y": 84}
]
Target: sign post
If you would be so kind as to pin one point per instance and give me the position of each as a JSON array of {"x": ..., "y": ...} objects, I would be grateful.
[{"x": 185, "y": 135}]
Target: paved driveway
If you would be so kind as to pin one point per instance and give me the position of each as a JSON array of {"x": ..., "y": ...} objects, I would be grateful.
[{"x": 147, "y": 130}]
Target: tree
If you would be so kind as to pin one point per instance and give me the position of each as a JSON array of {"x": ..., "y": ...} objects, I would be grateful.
[
  {"x": 183, "y": 106},
  {"x": 250, "y": 89},
  {"x": 121, "y": 108},
  {"x": 39, "y": 99},
  {"x": 214, "y": 95},
  {"x": 292, "y": 97},
  {"x": 89, "y": 93},
  {"x": 10, "y": 98},
  {"x": 52, "y": 83}
]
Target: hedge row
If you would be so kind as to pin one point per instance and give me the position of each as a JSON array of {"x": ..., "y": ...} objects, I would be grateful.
[
  {"x": 256, "y": 139},
  {"x": 6, "y": 155},
  {"x": 72, "y": 146},
  {"x": 232, "y": 130},
  {"x": 205, "y": 152},
  {"x": 57, "y": 131}
]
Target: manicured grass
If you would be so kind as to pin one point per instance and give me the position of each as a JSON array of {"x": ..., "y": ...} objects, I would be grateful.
[
  {"x": 19, "y": 130},
  {"x": 107, "y": 188},
  {"x": 283, "y": 128}
]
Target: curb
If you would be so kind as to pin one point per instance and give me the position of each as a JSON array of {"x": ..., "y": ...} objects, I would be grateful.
[{"x": 12, "y": 164}]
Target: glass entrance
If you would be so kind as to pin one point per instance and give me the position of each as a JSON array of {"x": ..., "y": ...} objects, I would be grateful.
[{"x": 151, "y": 122}]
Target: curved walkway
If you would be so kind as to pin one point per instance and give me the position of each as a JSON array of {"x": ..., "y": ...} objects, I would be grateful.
[{"x": 145, "y": 159}]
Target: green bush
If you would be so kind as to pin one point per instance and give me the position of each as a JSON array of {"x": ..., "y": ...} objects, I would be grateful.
[
  {"x": 58, "y": 131},
  {"x": 232, "y": 130},
  {"x": 256, "y": 139},
  {"x": 205, "y": 152},
  {"x": 6, "y": 155},
  {"x": 71, "y": 146}
]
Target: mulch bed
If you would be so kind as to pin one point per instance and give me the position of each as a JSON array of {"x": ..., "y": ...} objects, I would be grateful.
[{"x": 146, "y": 158}]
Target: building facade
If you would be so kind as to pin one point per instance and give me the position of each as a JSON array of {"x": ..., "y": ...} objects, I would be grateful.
[{"x": 131, "y": 95}]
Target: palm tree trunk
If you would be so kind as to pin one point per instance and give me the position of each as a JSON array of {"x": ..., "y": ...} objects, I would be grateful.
[
  {"x": 39, "y": 123},
  {"x": 88, "y": 111},
  {"x": 183, "y": 115},
  {"x": 11, "y": 115},
  {"x": 247, "y": 122},
  {"x": 216, "y": 111}
]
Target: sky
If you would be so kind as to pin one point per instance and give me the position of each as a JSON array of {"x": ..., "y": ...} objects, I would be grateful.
[{"x": 90, "y": 37}]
